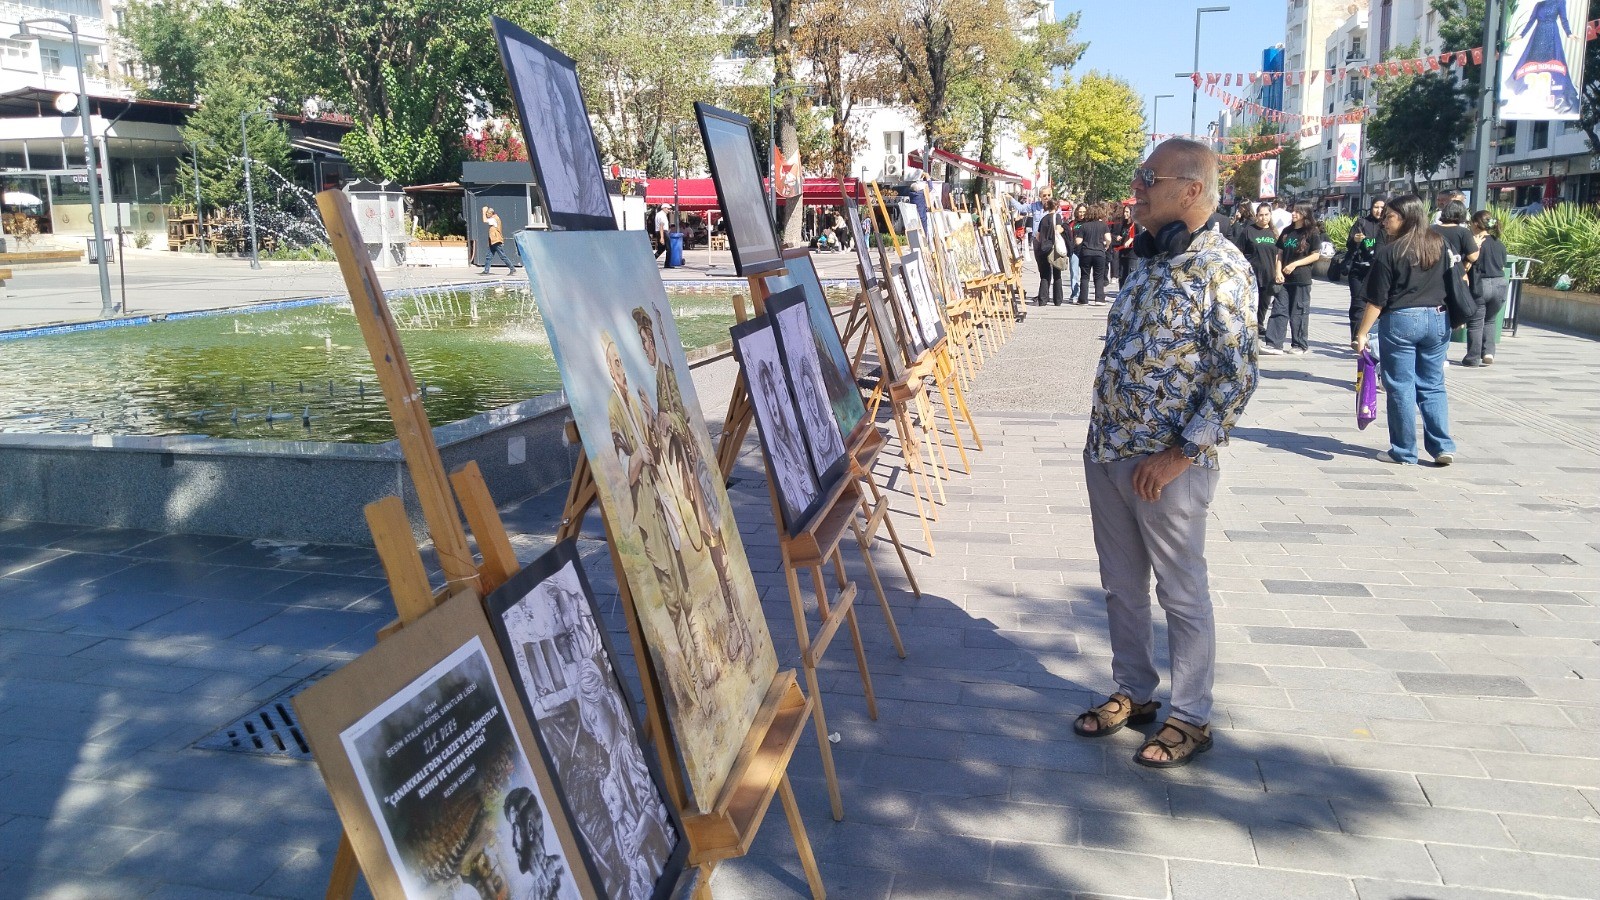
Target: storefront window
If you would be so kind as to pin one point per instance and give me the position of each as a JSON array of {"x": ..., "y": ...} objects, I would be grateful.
[{"x": 46, "y": 155}]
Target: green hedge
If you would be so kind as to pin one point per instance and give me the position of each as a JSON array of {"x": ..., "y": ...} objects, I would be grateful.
[{"x": 1565, "y": 240}]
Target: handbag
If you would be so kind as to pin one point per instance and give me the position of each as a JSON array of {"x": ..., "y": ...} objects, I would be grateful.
[
  {"x": 1059, "y": 257},
  {"x": 1475, "y": 283},
  {"x": 1458, "y": 302},
  {"x": 1366, "y": 389}
]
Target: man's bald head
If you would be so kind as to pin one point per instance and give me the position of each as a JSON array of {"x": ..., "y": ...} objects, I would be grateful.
[{"x": 1192, "y": 159}]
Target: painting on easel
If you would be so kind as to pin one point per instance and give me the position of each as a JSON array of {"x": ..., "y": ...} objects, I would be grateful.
[
  {"x": 555, "y": 125},
  {"x": 858, "y": 231},
  {"x": 844, "y": 397},
  {"x": 777, "y": 422},
  {"x": 628, "y": 386},
  {"x": 920, "y": 291},
  {"x": 891, "y": 356},
  {"x": 545, "y": 622},
  {"x": 803, "y": 365},
  {"x": 442, "y": 788},
  {"x": 731, "y": 154}
]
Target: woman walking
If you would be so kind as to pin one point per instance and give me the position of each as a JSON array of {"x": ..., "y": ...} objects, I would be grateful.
[
  {"x": 1123, "y": 231},
  {"x": 1093, "y": 240},
  {"x": 1044, "y": 241},
  {"x": 1406, "y": 300},
  {"x": 1299, "y": 248},
  {"x": 1492, "y": 289}
]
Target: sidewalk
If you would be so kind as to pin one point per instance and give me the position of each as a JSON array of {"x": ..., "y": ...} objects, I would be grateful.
[
  {"x": 1407, "y": 668},
  {"x": 161, "y": 282}
]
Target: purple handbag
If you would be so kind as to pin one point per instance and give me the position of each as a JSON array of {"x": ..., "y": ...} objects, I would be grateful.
[{"x": 1366, "y": 389}]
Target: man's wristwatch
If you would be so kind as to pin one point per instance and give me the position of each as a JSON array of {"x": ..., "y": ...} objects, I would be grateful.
[{"x": 1192, "y": 451}]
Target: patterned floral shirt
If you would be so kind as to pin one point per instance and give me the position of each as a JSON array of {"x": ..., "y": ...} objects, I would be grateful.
[{"x": 1180, "y": 355}]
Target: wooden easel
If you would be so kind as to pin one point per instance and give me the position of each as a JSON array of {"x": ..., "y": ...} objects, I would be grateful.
[
  {"x": 817, "y": 543},
  {"x": 761, "y": 768}
]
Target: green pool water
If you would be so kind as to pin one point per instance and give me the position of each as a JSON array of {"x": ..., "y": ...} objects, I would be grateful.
[{"x": 300, "y": 373}]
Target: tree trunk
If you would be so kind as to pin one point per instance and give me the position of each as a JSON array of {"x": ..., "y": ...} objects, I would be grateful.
[{"x": 788, "y": 139}]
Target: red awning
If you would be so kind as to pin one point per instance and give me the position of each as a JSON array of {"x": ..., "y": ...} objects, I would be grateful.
[
  {"x": 981, "y": 169},
  {"x": 700, "y": 194}
]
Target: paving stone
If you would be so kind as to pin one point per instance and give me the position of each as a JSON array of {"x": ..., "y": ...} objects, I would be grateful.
[
  {"x": 1208, "y": 881},
  {"x": 1306, "y": 637},
  {"x": 1166, "y": 837},
  {"x": 1540, "y": 834},
  {"x": 1556, "y": 876},
  {"x": 1410, "y": 821},
  {"x": 1497, "y": 795},
  {"x": 1464, "y": 685},
  {"x": 1339, "y": 854},
  {"x": 1517, "y": 557},
  {"x": 1543, "y": 598},
  {"x": 1458, "y": 625},
  {"x": 1485, "y": 534},
  {"x": 1379, "y": 889},
  {"x": 1079, "y": 870},
  {"x": 1320, "y": 588}
]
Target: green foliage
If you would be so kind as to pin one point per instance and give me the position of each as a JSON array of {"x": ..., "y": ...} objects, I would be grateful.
[
  {"x": 1093, "y": 128},
  {"x": 312, "y": 253},
  {"x": 1015, "y": 74},
  {"x": 1421, "y": 123},
  {"x": 1565, "y": 240},
  {"x": 1255, "y": 138},
  {"x": 141, "y": 239},
  {"x": 214, "y": 130},
  {"x": 404, "y": 143},
  {"x": 1337, "y": 229},
  {"x": 169, "y": 35}
]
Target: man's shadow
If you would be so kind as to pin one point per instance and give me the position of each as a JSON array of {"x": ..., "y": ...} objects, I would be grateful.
[{"x": 1311, "y": 446}]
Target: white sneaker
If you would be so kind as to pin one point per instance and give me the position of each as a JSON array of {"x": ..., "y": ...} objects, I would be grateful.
[
  {"x": 1444, "y": 459},
  {"x": 1383, "y": 456},
  {"x": 1298, "y": 351},
  {"x": 1269, "y": 350}
]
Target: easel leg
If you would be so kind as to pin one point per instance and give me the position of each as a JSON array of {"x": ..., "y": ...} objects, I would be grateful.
[
  {"x": 855, "y": 630},
  {"x": 913, "y": 461},
  {"x": 342, "y": 883},
  {"x": 888, "y": 522},
  {"x": 950, "y": 413},
  {"x": 702, "y": 891},
  {"x": 972, "y": 427},
  {"x": 938, "y": 462},
  {"x": 877, "y": 586},
  {"x": 818, "y": 717},
  {"x": 802, "y": 844}
]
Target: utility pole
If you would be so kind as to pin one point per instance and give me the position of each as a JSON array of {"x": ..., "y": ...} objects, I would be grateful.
[{"x": 1488, "y": 92}]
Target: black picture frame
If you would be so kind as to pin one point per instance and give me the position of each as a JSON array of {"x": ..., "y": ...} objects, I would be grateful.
[
  {"x": 755, "y": 346},
  {"x": 556, "y": 129},
  {"x": 844, "y": 394},
  {"x": 892, "y": 357},
  {"x": 507, "y": 601},
  {"x": 858, "y": 230},
  {"x": 731, "y": 155},
  {"x": 912, "y": 342},
  {"x": 802, "y": 362},
  {"x": 919, "y": 290}
]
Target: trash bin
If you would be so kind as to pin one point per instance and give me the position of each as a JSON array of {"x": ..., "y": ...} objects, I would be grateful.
[
  {"x": 675, "y": 249},
  {"x": 105, "y": 245}
]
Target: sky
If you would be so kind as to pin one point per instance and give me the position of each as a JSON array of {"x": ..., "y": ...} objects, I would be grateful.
[{"x": 1144, "y": 42}]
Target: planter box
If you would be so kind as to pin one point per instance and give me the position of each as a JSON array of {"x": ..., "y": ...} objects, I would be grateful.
[{"x": 1566, "y": 310}]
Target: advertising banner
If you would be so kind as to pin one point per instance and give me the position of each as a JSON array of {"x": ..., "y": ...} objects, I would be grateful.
[
  {"x": 1347, "y": 161},
  {"x": 1269, "y": 180},
  {"x": 1542, "y": 64}
]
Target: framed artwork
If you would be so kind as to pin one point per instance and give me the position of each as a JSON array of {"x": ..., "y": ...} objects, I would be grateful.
[
  {"x": 988, "y": 255},
  {"x": 858, "y": 230},
  {"x": 910, "y": 217},
  {"x": 964, "y": 248},
  {"x": 555, "y": 125},
  {"x": 906, "y": 313},
  {"x": 546, "y": 625},
  {"x": 890, "y": 350},
  {"x": 731, "y": 152},
  {"x": 930, "y": 323},
  {"x": 755, "y": 345},
  {"x": 804, "y": 366},
  {"x": 838, "y": 380},
  {"x": 627, "y": 383},
  {"x": 440, "y": 784}
]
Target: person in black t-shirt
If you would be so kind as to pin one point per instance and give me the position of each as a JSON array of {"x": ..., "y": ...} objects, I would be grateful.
[
  {"x": 1259, "y": 244},
  {"x": 1457, "y": 236},
  {"x": 1492, "y": 286},
  {"x": 1406, "y": 300},
  {"x": 1044, "y": 239},
  {"x": 1366, "y": 233},
  {"x": 1299, "y": 248},
  {"x": 1123, "y": 231},
  {"x": 1093, "y": 239}
]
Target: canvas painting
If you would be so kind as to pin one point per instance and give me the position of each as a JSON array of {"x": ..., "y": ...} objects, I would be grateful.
[
  {"x": 987, "y": 254},
  {"x": 906, "y": 313},
  {"x": 940, "y": 222},
  {"x": 555, "y": 125},
  {"x": 627, "y": 383},
  {"x": 732, "y": 156},
  {"x": 844, "y": 396},
  {"x": 910, "y": 218},
  {"x": 804, "y": 366},
  {"x": 964, "y": 248},
  {"x": 442, "y": 788},
  {"x": 544, "y": 621},
  {"x": 890, "y": 349},
  {"x": 929, "y": 322},
  {"x": 777, "y": 422},
  {"x": 858, "y": 231}
]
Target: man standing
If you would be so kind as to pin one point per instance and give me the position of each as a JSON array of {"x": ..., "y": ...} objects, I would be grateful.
[
  {"x": 497, "y": 242},
  {"x": 1178, "y": 367},
  {"x": 1360, "y": 247},
  {"x": 663, "y": 227}
]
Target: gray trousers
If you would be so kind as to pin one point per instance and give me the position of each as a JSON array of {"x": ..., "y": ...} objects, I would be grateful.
[{"x": 1134, "y": 538}]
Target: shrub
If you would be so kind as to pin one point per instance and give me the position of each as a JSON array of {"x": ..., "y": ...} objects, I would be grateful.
[
  {"x": 141, "y": 240},
  {"x": 1337, "y": 230},
  {"x": 313, "y": 253},
  {"x": 1565, "y": 240}
]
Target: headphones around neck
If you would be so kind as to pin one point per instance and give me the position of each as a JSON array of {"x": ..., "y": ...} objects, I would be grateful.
[{"x": 1173, "y": 238}]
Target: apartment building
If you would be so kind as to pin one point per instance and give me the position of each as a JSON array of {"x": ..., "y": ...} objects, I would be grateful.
[{"x": 46, "y": 58}]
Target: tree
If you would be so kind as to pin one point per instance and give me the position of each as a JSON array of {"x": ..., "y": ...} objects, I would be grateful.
[
  {"x": 1257, "y": 138},
  {"x": 847, "y": 67},
  {"x": 938, "y": 45},
  {"x": 1094, "y": 128},
  {"x": 213, "y": 130},
  {"x": 1421, "y": 123},
  {"x": 170, "y": 37}
]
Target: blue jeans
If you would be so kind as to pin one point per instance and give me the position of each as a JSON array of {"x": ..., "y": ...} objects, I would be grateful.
[{"x": 1415, "y": 343}]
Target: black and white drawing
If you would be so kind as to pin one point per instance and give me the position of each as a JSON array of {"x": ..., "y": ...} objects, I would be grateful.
[
  {"x": 555, "y": 125},
  {"x": 930, "y": 325},
  {"x": 544, "y": 620},
  {"x": 804, "y": 368},
  {"x": 890, "y": 349},
  {"x": 752, "y": 236},
  {"x": 777, "y": 421},
  {"x": 858, "y": 231},
  {"x": 844, "y": 395},
  {"x": 905, "y": 310}
]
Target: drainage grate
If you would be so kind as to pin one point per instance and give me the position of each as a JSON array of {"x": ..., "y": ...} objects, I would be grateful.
[{"x": 270, "y": 729}]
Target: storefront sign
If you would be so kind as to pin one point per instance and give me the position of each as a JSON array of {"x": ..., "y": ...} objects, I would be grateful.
[{"x": 1347, "y": 162}]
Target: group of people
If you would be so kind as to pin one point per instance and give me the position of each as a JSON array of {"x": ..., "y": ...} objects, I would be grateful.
[
  {"x": 1095, "y": 244},
  {"x": 825, "y": 228}
]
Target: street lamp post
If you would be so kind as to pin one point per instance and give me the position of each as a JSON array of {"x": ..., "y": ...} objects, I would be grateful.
[
  {"x": 1194, "y": 97},
  {"x": 249, "y": 191},
  {"x": 1155, "y": 111},
  {"x": 90, "y": 157}
]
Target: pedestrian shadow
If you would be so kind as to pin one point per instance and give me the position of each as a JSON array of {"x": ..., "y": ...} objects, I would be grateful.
[
  {"x": 1296, "y": 375},
  {"x": 1311, "y": 446}
]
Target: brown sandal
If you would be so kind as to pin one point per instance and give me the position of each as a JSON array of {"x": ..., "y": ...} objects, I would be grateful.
[
  {"x": 1112, "y": 715},
  {"x": 1181, "y": 742}
]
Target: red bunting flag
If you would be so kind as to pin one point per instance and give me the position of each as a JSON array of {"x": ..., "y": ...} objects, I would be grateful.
[{"x": 1477, "y": 56}]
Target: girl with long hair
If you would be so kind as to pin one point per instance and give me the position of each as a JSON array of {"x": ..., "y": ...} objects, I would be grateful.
[
  {"x": 1406, "y": 300},
  {"x": 1299, "y": 248},
  {"x": 1493, "y": 287}
]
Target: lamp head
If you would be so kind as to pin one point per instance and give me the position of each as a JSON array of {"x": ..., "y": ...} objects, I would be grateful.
[{"x": 23, "y": 32}]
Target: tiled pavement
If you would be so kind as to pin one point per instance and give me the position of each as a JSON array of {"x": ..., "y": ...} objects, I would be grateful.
[{"x": 1407, "y": 697}]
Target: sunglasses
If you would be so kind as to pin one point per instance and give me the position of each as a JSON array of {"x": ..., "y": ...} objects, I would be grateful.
[{"x": 1148, "y": 177}]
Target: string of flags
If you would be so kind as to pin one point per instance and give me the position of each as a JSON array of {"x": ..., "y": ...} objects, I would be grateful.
[
  {"x": 1229, "y": 159},
  {"x": 1391, "y": 67},
  {"x": 1239, "y": 104},
  {"x": 1282, "y": 137}
]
